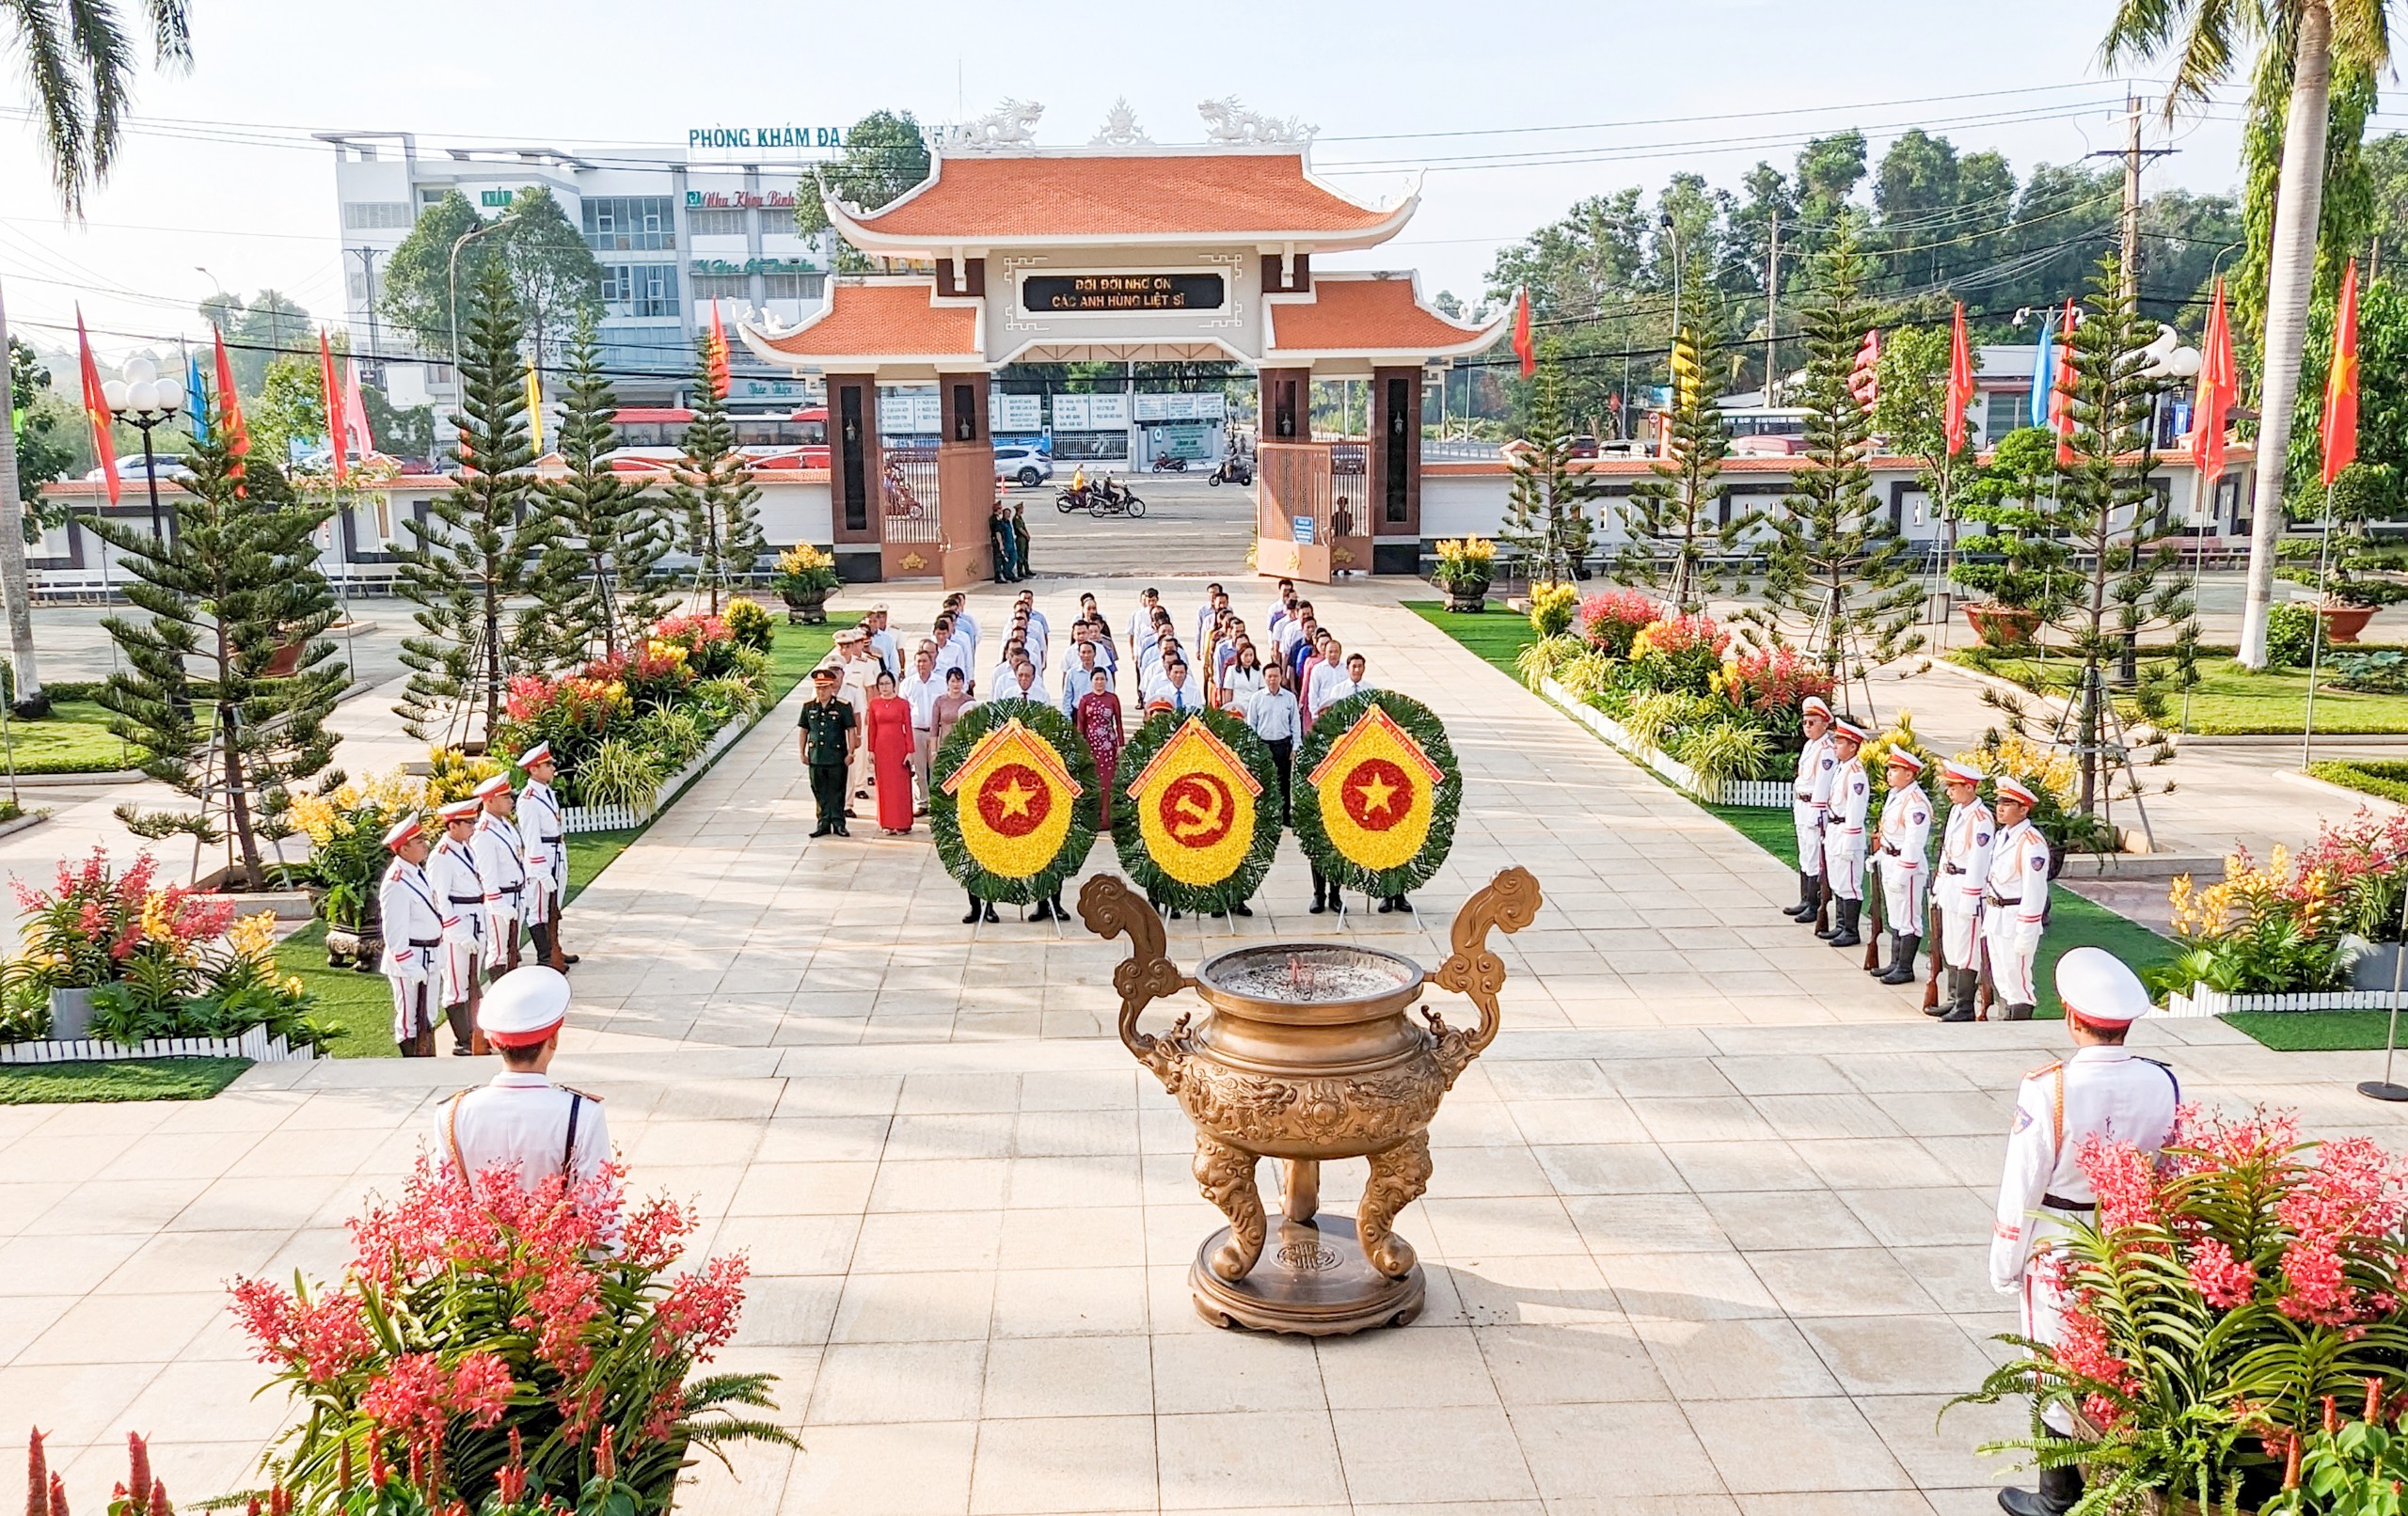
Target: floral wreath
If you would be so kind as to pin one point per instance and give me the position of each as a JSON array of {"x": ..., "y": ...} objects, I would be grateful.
[
  {"x": 1043, "y": 877},
  {"x": 1422, "y": 725},
  {"x": 1135, "y": 827}
]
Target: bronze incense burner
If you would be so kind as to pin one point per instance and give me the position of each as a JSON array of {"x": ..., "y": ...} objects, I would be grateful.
[{"x": 1306, "y": 1054}]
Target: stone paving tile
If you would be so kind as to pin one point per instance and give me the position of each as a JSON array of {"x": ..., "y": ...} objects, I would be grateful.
[{"x": 1692, "y": 1248}]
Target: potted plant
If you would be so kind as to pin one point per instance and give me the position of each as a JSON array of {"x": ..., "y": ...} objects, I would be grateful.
[
  {"x": 805, "y": 578},
  {"x": 2011, "y": 561},
  {"x": 1464, "y": 569},
  {"x": 96, "y": 926},
  {"x": 346, "y": 830}
]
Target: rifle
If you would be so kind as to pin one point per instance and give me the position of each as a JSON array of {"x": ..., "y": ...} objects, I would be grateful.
[
  {"x": 1876, "y": 909},
  {"x": 1982, "y": 942},
  {"x": 1823, "y": 898},
  {"x": 1931, "y": 986}
]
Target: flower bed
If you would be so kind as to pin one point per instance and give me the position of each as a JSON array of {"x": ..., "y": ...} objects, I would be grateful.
[
  {"x": 256, "y": 1044},
  {"x": 2282, "y": 936}
]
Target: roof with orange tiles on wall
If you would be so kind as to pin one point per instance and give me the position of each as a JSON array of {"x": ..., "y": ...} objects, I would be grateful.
[
  {"x": 975, "y": 198},
  {"x": 878, "y": 318},
  {"x": 1381, "y": 314}
]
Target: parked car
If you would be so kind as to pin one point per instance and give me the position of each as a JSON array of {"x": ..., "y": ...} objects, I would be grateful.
[
  {"x": 170, "y": 467},
  {"x": 1583, "y": 447},
  {"x": 1024, "y": 466}
]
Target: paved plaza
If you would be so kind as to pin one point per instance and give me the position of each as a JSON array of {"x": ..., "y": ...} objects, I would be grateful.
[{"x": 1707, "y": 1231}]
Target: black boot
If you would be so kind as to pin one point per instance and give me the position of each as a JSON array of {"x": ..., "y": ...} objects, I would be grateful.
[
  {"x": 1822, "y": 899},
  {"x": 1902, "y": 971},
  {"x": 976, "y": 907},
  {"x": 1877, "y": 968},
  {"x": 1850, "y": 910},
  {"x": 2060, "y": 1488},
  {"x": 1962, "y": 983},
  {"x": 1044, "y": 910},
  {"x": 1808, "y": 886},
  {"x": 1321, "y": 895},
  {"x": 2020, "y": 1012},
  {"x": 464, "y": 1029},
  {"x": 989, "y": 915}
]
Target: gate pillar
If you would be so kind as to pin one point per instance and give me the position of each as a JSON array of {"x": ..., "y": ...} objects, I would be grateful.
[
  {"x": 965, "y": 481},
  {"x": 856, "y": 500},
  {"x": 1393, "y": 513}
]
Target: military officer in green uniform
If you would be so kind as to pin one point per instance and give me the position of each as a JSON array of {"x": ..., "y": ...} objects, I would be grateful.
[{"x": 828, "y": 735}]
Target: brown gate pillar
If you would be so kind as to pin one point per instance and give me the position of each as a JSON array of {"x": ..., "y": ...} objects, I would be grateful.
[
  {"x": 856, "y": 503},
  {"x": 1287, "y": 405},
  {"x": 1394, "y": 510},
  {"x": 965, "y": 481}
]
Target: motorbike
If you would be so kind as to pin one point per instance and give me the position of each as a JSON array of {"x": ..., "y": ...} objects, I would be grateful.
[
  {"x": 1232, "y": 472},
  {"x": 1111, "y": 500},
  {"x": 1167, "y": 465}
]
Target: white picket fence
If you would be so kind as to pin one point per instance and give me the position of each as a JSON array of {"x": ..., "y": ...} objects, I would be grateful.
[
  {"x": 619, "y": 817},
  {"x": 1762, "y": 794},
  {"x": 255, "y": 1045},
  {"x": 2202, "y": 1001}
]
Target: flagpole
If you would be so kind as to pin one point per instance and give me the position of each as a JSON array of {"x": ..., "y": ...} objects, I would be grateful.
[{"x": 2316, "y": 633}]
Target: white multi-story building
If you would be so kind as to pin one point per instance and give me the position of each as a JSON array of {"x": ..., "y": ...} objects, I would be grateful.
[{"x": 673, "y": 232}]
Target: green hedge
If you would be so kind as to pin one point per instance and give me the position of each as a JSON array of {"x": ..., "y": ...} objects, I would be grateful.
[{"x": 2384, "y": 779}]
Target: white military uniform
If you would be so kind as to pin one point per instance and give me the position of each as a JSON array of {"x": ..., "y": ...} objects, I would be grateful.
[
  {"x": 460, "y": 890},
  {"x": 523, "y": 1122},
  {"x": 413, "y": 928},
  {"x": 544, "y": 834},
  {"x": 2105, "y": 1092},
  {"x": 501, "y": 861},
  {"x": 2017, "y": 907},
  {"x": 1964, "y": 871},
  {"x": 1850, "y": 797},
  {"x": 1903, "y": 860},
  {"x": 1813, "y": 796}
]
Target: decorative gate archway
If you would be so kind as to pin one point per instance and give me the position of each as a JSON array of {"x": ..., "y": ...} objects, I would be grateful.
[{"x": 1126, "y": 251}]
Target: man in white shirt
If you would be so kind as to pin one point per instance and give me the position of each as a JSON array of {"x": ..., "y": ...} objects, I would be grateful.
[
  {"x": 1141, "y": 621},
  {"x": 882, "y": 641},
  {"x": 1024, "y": 683},
  {"x": 521, "y": 1125},
  {"x": 1273, "y": 715},
  {"x": 1283, "y": 605},
  {"x": 920, "y": 689},
  {"x": 1027, "y": 602},
  {"x": 953, "y": 651},
  {"x": 1078, "y": 680},
  {"x": 1183, "y": 693},
  {"x": 999, "y": 679},
  {"x": 1357, "y": 681},
  {"x": 1215, "y": 601},
  {"x": 964, "y": 624},
  {"x": 1326, "y": 682}
]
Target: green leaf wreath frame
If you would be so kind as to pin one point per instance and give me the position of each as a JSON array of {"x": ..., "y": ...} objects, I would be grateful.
[
  {"x": 944, "y": 810},
  {"x": 1129, "y": 838},
  {"x": 1446, "y": 801}
]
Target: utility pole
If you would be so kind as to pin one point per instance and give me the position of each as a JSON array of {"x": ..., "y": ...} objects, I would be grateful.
[
  {"x": 1772, "y": 309},
  {"x": 2131, "y": 198},
  {"x": 16, "y": 583},
  {"x": 368, "y": 273}
]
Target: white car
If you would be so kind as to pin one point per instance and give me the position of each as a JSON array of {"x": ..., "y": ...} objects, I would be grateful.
[
  {"x": 1024, "y": 466},
  {"x": 170, "y": 467}
]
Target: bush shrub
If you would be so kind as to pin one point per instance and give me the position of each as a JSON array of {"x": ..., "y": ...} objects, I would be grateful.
[
  {"x": 1612, "y": 621},
  {"x": 1552, "y": 607},
  {"x": 2291, "y": 630},
  {"x": 751, "y": 625}
]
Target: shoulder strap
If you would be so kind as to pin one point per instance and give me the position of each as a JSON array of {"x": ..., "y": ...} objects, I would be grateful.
[
  {"x": 2057, "y": 1111},
  {"x": 568, "y": 1148},
  {"x": 451, "y": 1136}
]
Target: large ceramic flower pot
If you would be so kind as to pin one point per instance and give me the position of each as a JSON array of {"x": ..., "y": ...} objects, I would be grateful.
[
  {"x": 1306, "y": 1054},
  {"x": 2342, "y": 623},
  {"x": 805, "y": 608},
  {"x": 70, "y": 1015},
  {"x": 2002, "y": 625}
]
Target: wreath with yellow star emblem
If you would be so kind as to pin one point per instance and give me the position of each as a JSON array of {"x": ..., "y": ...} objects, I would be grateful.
[
  {"x": 1015, "y": 804},
  {"x": 1377, "y": 793},
  {"x": 1198, "y": 815}
]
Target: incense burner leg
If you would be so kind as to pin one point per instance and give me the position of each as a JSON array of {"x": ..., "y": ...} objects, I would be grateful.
[
  {"x": 1300, "y": 1197},
  {"x": 1226, "y": 1175},
  {"x": 1398, "y": 1177}
]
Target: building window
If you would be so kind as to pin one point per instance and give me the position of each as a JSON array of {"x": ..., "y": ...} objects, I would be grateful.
[
  {"x": 639, "y": 289},
  {"x": 355, "y": 286},
  {"x": 721, "y": 287},
  {"x": 433, "y": 194},
  {"x": 716, "y": 222},
  {"x": 793, "y": 286},
  {"x": 377, "y": 215},
  {"x": 2008, "y": 410},
  {"x": 630, "y": 223}
]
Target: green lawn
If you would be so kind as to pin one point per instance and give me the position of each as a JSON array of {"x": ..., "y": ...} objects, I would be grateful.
[
  {"x": 2230, "y": 701},
  {"x": 128, "y": 1078},
  {"x": 2314, "y": 1030},
  {"x": 72, "y": 739},
  {"x": 797, "y": 651},
  {"x": 1495, "y": 634}
]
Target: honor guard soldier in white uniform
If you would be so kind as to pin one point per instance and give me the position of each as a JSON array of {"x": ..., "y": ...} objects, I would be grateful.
[
  {"x": 1901, "y": 856},
  {"x": 522, "y": 1122},
  {"x": 1851, "y": 801},
  {"x": 501, "y": 859},
  {"x": 1814, "y": 795},
  {"x": 460, "y": 891},
  {"x": 2103, "y": 1091},
  {"x": 545, "y": 830},
  {"x": 413, "y": 928},
  {"x": 2015, "y": 907},
  {"x": 1956, "y": 890}
]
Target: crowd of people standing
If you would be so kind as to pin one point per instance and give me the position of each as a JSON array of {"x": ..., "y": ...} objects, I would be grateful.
[{"x": 879, "y": 713}]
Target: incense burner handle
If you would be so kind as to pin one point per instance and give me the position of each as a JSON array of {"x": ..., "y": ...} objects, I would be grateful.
[
  {"x": 1109, "y": 908},
  {"x": 1510, "y": 901}
]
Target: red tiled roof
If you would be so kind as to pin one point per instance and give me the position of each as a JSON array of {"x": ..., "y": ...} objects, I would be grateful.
[
  {"x": 881, "y": 318},
  {"x": 1367, "y": 315},
  {"x": 981, "y": 199}
]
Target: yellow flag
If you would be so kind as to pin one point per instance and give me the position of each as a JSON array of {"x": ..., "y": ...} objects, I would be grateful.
[{"x": 534, "y": 406}]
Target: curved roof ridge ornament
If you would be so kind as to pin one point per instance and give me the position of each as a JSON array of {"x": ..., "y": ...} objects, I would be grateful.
[
  {"x": 1012, "y": 124},
  {"x": 1225, "y": 120},
  {"x": 1120, "y": 128}
]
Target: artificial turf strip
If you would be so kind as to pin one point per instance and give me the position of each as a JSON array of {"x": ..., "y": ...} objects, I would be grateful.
[
  {"x": 120, "y": 1079},
  {"x": 2231, "y": 701},
  {"x": 1495, "y": 634},
  {"x": 73, "y": 738}
]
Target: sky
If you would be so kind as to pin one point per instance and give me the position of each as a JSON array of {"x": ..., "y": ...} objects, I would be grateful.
[{"x": 1513, "y": 109}]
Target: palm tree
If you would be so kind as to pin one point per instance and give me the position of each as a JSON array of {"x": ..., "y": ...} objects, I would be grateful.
[
  {"x": 80, "y": 63},
  {"x": 2207, "y": 35}
]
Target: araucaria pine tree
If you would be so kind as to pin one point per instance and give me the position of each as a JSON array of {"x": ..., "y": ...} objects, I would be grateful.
[
  {"x": 2110, "y": 516},
  {"x": 228, "y": 597},
  {"x": 713, "y": 486},
  {"x": 602, "y": 591},
  {"x": 1674, "y": 541},
  {"x": 476, "y": 568},
  {"x": 1835, "y": 570},
  {"x": 1547, "y": 521}
]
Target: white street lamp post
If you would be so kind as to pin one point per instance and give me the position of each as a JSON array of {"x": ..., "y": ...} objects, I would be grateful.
[{"x": 141, "y": 398}]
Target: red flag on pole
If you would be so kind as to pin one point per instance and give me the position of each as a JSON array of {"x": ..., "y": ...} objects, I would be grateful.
[
  {"x": 357, "y": 433},
  {"x": 96, "y": 408},
  {"x": 1865, "y": 380},
  {"x": 2341, "y": 428},
  {"x": 1523, "y": 347},
  {"x": 1960, "y": 379},
  {"x": 230, "y": 410},
  {"x": 333, "y": 394},
  {"x": 719, "y": 354},
  {"x": 2061, "y": 395},
  {"x": 2217, "y": 388}
]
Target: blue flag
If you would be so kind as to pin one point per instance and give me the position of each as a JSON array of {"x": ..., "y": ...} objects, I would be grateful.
[
  {"x": 196, "y": 400},
  {"x": 2044, "y": 369}
]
